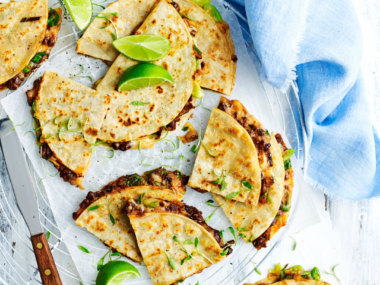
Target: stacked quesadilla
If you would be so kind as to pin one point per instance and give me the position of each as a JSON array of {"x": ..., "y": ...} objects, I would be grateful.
[
  {"x": 163, "y": 107},
  {"x": 28, "y": 32},
  {"x": 215, "y": 51},
  {"x": 242, "y": 165},
  {"x": 142, "y": 218},
  {"x": 68, "y": 116}
]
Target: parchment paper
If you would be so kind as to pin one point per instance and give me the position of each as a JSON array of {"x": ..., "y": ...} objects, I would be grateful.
[{"x": 64, "y": 198}]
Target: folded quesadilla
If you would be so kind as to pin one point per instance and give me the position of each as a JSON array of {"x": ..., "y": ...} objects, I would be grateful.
[
  {"x": 94, "y": 212},
  {"x": 216, "y": 59},
  {"x": 28, "y": 32},
  {"x": 174, "y": 240},
  {"x": 227, "y": 162},
  {"x": 68, "y": 116},
  {"x": 294, "y": 275},
  {"x": 152, "y": 111}
]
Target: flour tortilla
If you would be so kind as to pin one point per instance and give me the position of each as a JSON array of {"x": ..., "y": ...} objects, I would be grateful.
[
  {"x": 237, "y": 154},
  {"x": 120, "y": 236},
  {"x": 60, "y": 96},
  {"x": 19, "y": 42},
  {"x": 154, "y": 233},
  {"x": 212, "y": 38},
  {"x": 257, "y": 219},
  {"x": 126, "y": 122}
]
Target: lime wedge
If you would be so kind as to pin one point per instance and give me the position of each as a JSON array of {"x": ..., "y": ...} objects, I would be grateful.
[
  {"x": 143, "y": 47},
  {"x": 143, "y": 75},
  {"x": 116, "y": 272},
  {"x": 80, "y": 11}
]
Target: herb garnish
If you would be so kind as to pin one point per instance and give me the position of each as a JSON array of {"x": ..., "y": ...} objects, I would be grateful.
[
  {"x": 98, "y": 4},
  {"x": 251, "y": 238},
  {"x": 106, "y": 16},
  {"x": 101, "y": 261},
  {"x": 201, "y": 104},
  {"x": 38, "y": 56},
  {"x": 14, "y": 127},
  {"x": 234, "y": 235},
  {"x": 197, "y": 49},
  {"x": 171, "y": 261},
  {"x": 256, "y": 269},
  {"x": 267, "y": 132},
  {"x": 43, "y": 166},
  {"x": 247, "y": 184},
  {"x": 286, "y": 206},
  {"x": 221, "y": 179},
  {"x": 140, "y": 198},
  {"x": 82, "y": 248},
  {"x": 286, "y": 158},
  {"x": 82, "y": 76},
  {"x": 185, "y": 128},
  {"x": 171, "y": 166},
  {"x": 96, "y": 144},
  {"x": 196, "y": 241},
  {"x": 93, "y": 208},
  {"x": 53, "y": 18},
  {"x": 26, "y": 70},
  {"x": 200, "y": 141},
  {"x": 47, "y": 236},
  {"x": 209, "y": 203},
  {"x": 296, "y": 268},
  {"x": 315, "y": 274},
  {"x": 146, "y": 156},
  {"x": 333, "y": 272},
  {"x": 139, "y": 103},
  {"x": 295, "y": 242}
]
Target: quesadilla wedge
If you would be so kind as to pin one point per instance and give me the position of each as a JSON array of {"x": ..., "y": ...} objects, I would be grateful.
[
  {"x": 68, "y": 117},
  {"x": 216, "y": 59},
  {"x": 174, "y": 240},
  {"x": 137, "y": 113},
  {"x": 28, "y": 32},
  {"x": 227, "y": 162},
  {"x": 94, "y": 211},
  {"x": 255, "y": 222},
  {"x": 295, "y": 275}
]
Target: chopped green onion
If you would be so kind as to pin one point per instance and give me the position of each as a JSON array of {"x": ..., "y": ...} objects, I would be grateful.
[
  {"x": 247, "y": 184},
  {"x": 333, "y": 272},
  {"x": 296, "y": 268},
  {"x": 251, "y": 238},
  {"x": 82, "y": 248},
  {"x": 267, "y": 132},
  {"x": 185, "y": 128},
  {"x": 140, "y": 198},
  {"x": 287, "y": 164},
  {"x": 171, "y": 261},
  {"x": 53, "y": 18},
  {"x": 139, "y": 103},
  {"x": 232, "y": 195},
  {"x": 315, "y": 274},
  {"x": 38, "y": 56},
  {"x": 287, "y": 154},
  {"x": 26, "y": 70},
  {"x": 224, "y": 252},
  {"x": 197, "y": 49},
  {"x": 242, "y": 229}
]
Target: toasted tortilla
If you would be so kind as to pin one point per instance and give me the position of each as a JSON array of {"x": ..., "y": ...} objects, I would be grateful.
[
  {"x": 218, "y": 63},
  {"x": 156, "y": 225},
  {"x": 125, "y": 121},
  {"x": 257, "y": 219},
  {"x": 19, "y": 41},
  {"x": 120, "y": 236},
  {"x": 236, "y": 157},
  {"x": 60, "y": 96}
]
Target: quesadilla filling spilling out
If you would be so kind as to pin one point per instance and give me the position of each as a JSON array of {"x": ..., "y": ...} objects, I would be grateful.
[
  {"x": 67, "y": 118},
  {"x": 174, "y": 239},
  {"x": 141, "y": 117},
  {"x": 96, "y": 210},
  {"x": 50, "y": 38},
  {"x": 295, "y": 275}
]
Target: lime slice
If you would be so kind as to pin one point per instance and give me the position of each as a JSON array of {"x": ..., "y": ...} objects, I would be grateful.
[
  {"x": 116, "y": 272},
  {"x": 143, "y": 47},
  {"x": 143, "y": 75},
  {"x": 80, "y": 11}
]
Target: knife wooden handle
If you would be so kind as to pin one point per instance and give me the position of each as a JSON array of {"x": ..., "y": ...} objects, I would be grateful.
[{"x": 45, "y": 261}]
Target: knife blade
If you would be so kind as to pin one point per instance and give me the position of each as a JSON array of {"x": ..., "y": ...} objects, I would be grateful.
[{"x": 26, "y": 198}]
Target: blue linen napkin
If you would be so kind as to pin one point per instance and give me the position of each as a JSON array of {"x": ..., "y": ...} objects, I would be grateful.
[{"x": 318, "y": 44}]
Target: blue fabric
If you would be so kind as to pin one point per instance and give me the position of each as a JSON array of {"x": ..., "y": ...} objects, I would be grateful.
[{"x": 318, "y": 43}]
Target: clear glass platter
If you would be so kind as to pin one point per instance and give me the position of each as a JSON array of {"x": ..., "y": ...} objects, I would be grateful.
[{"x": 274, "y": 109}]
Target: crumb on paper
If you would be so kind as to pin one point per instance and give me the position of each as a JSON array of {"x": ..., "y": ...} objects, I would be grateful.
[{"x": 190, "y": 136}]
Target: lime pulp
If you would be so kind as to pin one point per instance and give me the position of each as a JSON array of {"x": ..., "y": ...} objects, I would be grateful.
[
  {"x": 80, "y": 11},
  {"x": 116, "y": 272},
  {"x": 143, "y": 75},
  {"x": 144, "y": 48}
]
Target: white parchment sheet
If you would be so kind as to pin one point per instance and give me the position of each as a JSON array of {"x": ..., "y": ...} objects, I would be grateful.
[{"x": 64, "y": 198}]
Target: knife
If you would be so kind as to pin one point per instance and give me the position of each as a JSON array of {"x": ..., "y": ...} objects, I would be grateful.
[{"x": 27, "y": 201}]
